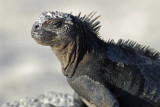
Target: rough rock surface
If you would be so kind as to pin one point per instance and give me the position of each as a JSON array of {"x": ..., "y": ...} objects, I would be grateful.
[{"x": 50, "y": 99}]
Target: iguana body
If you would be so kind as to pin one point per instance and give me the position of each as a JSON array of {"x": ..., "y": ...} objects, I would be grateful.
[{"x": 103, "y": 74}]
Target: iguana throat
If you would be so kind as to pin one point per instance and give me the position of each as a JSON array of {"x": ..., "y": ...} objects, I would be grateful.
[{"x": 67, "y": 54}]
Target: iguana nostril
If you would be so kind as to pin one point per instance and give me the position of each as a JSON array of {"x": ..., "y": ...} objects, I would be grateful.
[{"x": 37, "y": 26}]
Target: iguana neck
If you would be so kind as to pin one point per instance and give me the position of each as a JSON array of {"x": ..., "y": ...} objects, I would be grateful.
[{"x": 68, "y": 56}]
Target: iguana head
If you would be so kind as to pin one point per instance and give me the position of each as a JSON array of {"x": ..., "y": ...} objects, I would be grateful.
[{"x": 51, "y": 28}]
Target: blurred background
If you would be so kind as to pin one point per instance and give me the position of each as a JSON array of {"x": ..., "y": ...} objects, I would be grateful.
[{"x": 29, "y": 69}]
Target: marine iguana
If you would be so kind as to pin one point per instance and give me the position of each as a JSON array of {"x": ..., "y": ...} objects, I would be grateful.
[{"x": 103, "y": 74}]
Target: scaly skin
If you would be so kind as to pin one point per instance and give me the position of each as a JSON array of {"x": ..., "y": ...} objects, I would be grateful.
[{"x": 103, "y": 74}]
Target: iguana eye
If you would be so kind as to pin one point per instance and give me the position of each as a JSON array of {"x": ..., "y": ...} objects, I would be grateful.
[
  {"x": 52, "y": 25},
  {"x": 56, "y": 24}
]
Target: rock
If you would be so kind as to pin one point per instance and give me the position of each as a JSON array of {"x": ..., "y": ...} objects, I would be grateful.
[{"x": 50, "y": 99}]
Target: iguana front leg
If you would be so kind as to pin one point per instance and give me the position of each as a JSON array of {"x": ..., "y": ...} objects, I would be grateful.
[
  {"x": 93, "y": 93},
  {"x": 78, "y": 102}
]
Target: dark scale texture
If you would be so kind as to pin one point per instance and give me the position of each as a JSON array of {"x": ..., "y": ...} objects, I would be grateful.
[{"x": 127, "y": 78}]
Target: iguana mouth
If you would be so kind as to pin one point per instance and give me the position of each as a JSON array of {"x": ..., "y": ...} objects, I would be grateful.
[{"x": 43, "y": 41}]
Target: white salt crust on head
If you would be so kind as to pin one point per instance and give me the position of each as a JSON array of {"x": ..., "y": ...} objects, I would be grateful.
[{"x": 45, "y": 16}]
